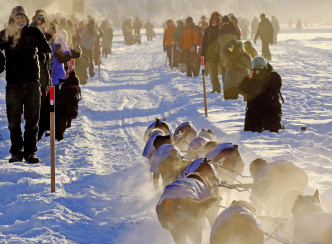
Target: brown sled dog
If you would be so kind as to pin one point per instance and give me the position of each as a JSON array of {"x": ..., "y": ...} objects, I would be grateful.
[
  {"x": 237, "y": 225},
  {"x": 181, "y": 213}
]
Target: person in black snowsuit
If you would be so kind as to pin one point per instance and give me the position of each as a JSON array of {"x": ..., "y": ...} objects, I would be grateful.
[
  {"x": 23, "y": 44},
  {"x": 262, "y": 87},
  {"x": 265, "y": 32},
  {"x": 66, "y": 107}
]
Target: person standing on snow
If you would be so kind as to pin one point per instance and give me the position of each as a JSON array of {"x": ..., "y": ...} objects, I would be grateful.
[
  {"x": 107, "y": 39},
  {"x": 276, "y": 29},
  {"x": 178, "y": 52},
  {"x": 168, "y": 40},
  {"x": 210, "y": 51},
  {"x": 89, "y": 34},
  {"x": 189, "y": 42},
  {"x": 227, "y": 32},
  {"x": 265, "y": 32},
  {"x": 254, "y": 26},
  {"x": 237, "y": 66},
  {"x": 148, "y": 30},
  {"x": 262, "y": 87},
  {"x": 137, "y": 25},
  {"x": 23, "y": 44}
]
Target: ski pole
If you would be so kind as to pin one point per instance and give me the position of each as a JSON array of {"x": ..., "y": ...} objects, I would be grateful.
[
  {"x": 204, "y": 88},
  {"x": 52, "y": 136}
]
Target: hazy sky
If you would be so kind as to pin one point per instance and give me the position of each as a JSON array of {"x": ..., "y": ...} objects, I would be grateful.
[{"x": 160, "y": 10}]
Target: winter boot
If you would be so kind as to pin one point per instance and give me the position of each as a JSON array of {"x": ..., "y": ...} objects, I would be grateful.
[
  {"x": 32, "y": 159},
  {"x": 16, "y": 157}
]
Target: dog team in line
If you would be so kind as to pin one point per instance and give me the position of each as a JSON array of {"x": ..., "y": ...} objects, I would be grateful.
[{"x": 198, "y": 175}]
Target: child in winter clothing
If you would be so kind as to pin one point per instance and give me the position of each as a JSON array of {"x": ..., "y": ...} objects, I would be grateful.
[
  {"x": 81, "y": 66},
  {"x": 66, "y": 107},
  {"x": 61, "y": 55},
  {"x": 262, "y": 87},
  {"x": 250, "y": 49}
]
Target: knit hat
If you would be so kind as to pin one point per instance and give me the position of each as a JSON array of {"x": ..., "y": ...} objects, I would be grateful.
[
  {"x": 226, "y": 19},
  {"x": 62, "y": 35},
  {"x": 258, "y": 62}
]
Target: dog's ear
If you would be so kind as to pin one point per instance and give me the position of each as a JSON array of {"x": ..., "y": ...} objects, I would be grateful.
[{"x": 316, "y": 195}]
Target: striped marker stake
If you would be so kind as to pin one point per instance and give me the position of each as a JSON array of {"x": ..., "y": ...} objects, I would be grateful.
[
  {"x": 204, "y": 87},
  {"x": 52, "y": 136},
  {"x": 73, "y": 64}
]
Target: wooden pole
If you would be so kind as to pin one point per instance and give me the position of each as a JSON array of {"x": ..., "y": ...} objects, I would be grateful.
[
  {"x": 99, "y": 55},
  {"x": 52, "y": 136},
  {"x": 204, "y": 87}
]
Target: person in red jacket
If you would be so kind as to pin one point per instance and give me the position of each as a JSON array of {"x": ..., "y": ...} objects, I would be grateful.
[{"x": 189, "y": 42}]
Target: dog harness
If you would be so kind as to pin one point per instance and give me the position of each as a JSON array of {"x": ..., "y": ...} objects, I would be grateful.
[
  {"x": 186, "y": 187},
  {"x": 161, "y": 154}
]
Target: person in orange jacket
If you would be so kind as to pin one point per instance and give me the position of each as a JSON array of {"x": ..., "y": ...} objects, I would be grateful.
[
  {"x": 189, "y": 44},
  {"x": 168, "y": 40}
]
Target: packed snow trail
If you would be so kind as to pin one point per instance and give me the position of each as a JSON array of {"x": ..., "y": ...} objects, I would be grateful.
[{"x": 104, "y": 192}]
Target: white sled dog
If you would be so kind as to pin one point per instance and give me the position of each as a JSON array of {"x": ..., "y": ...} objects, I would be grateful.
[
  {"x": 183, "y": 135},
  {"x": 311, "y": 221},
  {"x": 158, "y": 123},
  {"x": 237, "y": 224}
]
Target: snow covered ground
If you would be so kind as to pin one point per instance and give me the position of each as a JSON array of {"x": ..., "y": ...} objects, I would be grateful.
[{"x": 104, "y": 192}]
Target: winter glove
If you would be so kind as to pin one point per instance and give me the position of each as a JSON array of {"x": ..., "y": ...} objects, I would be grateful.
[
  {"x": 57, "y": 47},
  {"x": 75, "y": 54},
  {"x": 61, "y": 56},
  {"x": 179, "y": 49},
  {"x": 192, "y": 48}
]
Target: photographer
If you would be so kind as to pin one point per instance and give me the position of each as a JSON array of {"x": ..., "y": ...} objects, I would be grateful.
[{"x": 262, "y": 87}]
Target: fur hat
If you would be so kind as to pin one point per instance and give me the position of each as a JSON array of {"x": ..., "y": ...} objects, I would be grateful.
[
  {"x": 16, "y": 11},
  {"x": 258, "y": 61}
]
